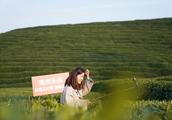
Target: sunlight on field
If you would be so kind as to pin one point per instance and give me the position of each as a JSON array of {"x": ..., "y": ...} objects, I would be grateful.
[
  {"x": 26, "y": 91},
  {"x": 111, "y": 99}
]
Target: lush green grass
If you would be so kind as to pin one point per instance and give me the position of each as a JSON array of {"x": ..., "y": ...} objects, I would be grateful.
[
  {"x": 110, "y": 50},
  {"x": 23, "y": 91},
  {"x": 17, "y": 104}
]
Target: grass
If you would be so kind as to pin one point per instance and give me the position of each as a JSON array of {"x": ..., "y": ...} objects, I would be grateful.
[
  {"x": 116, "y": 106},
  {"x": 111, "y": 99},
  {"x": 110, "y": 50}
]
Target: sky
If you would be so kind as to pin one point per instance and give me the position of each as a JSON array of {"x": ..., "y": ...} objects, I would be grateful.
[{"x": 16, "y": 14}]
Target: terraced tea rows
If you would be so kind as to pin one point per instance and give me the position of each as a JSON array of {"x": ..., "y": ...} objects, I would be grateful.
[{"x": 109, "y": 50}]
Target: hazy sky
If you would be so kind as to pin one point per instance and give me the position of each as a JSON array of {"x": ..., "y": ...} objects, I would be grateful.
[{"x": 27, "y": 13}]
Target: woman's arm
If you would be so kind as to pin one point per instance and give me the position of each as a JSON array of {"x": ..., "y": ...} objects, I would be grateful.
[
  {"x": 87, "y": 86},
  {"x": 88, "y": 83}
]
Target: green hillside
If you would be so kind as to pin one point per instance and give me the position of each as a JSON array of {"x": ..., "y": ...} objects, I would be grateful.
[{"x": 141, "y": 48}]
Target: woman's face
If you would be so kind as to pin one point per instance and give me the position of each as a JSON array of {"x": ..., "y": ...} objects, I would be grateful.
[{"x": 80, "y": 77}]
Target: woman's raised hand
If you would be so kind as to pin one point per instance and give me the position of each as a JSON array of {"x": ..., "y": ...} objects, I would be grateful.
[{"x": 87, "y": 74}]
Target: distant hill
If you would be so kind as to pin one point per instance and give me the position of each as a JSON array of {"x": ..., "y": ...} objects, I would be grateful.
[{"x": 141, "y": 48}]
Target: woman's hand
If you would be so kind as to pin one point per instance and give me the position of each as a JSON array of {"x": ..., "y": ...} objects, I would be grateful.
[{"x": 87, "y": 74}]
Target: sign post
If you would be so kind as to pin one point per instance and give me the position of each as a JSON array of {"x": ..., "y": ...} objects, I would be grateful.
[{"x": 48, "y": 84}]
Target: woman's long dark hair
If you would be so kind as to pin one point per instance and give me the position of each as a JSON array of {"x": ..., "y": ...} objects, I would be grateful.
[{"x": 72, "y": 79}]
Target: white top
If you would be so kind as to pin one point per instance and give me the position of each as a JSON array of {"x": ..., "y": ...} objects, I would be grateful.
[{"x": 73, "y": 97}]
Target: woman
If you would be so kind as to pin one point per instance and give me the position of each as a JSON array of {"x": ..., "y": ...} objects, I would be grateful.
[{"x": 77, "y": 85}]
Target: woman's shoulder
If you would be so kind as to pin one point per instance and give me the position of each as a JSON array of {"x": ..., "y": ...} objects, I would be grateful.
[{"x": 68, "y": 89}]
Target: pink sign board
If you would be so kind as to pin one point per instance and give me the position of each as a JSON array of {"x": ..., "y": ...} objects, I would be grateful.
[{"x": 48, "y": 84}]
